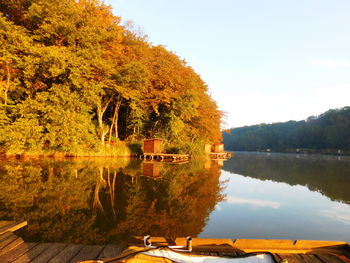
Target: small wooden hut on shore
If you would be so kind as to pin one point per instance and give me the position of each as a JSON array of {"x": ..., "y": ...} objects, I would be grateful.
[
  {"x": 152, "y": 146},
  {"x": 216, "y": 151},
  {"x": 153, "y": 151}
]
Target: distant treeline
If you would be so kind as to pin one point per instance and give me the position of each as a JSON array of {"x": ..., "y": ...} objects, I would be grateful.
[
  {"x": 73, "y": 78},
  {"x": 326, "y": 133}
]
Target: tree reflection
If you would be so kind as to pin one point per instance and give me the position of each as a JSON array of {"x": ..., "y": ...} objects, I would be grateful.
[{"x": 106, "y": 200}]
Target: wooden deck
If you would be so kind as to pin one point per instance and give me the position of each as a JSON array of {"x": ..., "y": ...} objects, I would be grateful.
[
  {"x": 220, "y": 155},
  {"x": 300, "y": 251},
  {"x": 165, "y": 157},
  {"x": 14, "y": 250}
]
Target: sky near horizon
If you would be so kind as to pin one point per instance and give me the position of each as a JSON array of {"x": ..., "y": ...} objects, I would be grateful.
[{"x": 264, "y": 61}]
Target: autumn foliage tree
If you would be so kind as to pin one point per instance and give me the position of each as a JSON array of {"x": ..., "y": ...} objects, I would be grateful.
[{"x": 72, "y": 77}]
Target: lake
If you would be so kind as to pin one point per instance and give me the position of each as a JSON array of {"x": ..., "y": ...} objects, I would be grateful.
[{"x": 108, "y": 200}]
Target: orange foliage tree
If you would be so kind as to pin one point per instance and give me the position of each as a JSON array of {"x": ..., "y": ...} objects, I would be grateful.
[{"x": 128, "y": 88}]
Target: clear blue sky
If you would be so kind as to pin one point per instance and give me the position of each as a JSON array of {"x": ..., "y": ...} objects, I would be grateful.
[{"x": 263, "y": 60}]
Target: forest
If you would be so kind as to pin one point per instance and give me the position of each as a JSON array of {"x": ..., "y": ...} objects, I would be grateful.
[
  {"x": 74, "y": 79},
  {"x": 327, "y": 133}
]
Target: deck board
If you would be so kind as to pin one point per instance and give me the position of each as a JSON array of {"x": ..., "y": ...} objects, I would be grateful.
[
  {"x": 11, "y": 226},
  {"x": 2, "y": 223},
  {"x": 5, "y": 235},
  {"x": 17, "y": 252},
  {"x": 63, "y": 253},
  {"x": 52, "y": 250},
  {"x": 32, "y": 253},
  {"x": 330, "y": 258},
  {"x": 88, "y": 252},
  {"x": 67, "y": 254},
  {"x": 7, "y": 239},
  {"x": 346, "y": 252},
  {"x": 276, "y": 257},
  {"x": 291, "y": 258},
  {"x": 309, "y": 259},
  {"x": 110, "y": 251},
  {"x": 14, "y": 250},
  {"x": 10, "y": 246}
]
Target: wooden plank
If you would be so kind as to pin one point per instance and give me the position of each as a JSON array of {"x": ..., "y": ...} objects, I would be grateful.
[
  {"x": 13, "y": 226},
  {"x": 206, "y": 245},
  {"x": 12, "y": 245},
  {"x": 110, "y": 251},
  {"x": 2, "y": 223},
  {"x": 286, "y": 246},
  {"x": 314, "y": 244},
  {"x": 88, "y": 253},
  {"x": 328, "y": 258},
  {"x": 267, "y": 245},
  {"x": 52, "y": 250},
  {"x": 6, "y": 235},
  {"x": 181, "y": 241},
  {"x": 276, "y": 257},
  {"x": 344, "y": 258},
  {"x": 6, "y": 241},
  {"x": 308, "y": 258},
  {"x": 250, "y": 245},
  {"x": 291, "y": 258},
  {"x": 346, "y": 253},
  {"x": 33, "y": 253},
  {"x": 67, "y": 254},
  {"x": 15, "y": 253}
]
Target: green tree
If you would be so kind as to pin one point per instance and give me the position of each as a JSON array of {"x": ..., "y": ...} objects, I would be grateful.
[{"x": 71, "y": 74}]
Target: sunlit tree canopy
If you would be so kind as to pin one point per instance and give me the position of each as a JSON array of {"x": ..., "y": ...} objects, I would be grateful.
[{"x": 71, "y": 76}]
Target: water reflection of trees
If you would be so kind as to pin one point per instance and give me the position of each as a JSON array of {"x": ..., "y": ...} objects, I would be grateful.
[
  {"x": 106, "y": 200},
  {"x": 327, "y": 175}
]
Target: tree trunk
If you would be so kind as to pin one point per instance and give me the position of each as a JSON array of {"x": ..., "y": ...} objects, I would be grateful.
[
  {"x": 100, "y": 123},
  {"x": 101, "y": 109},
  {"x": 115, "y": 121},
  {"x": 116, "y": 117}
]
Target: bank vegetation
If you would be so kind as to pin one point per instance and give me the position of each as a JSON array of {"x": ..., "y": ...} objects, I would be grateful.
[{"x": 74, "y": 80}]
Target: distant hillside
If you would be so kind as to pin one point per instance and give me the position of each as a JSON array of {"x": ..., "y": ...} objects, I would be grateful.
[{"x": 326, "y": 133}]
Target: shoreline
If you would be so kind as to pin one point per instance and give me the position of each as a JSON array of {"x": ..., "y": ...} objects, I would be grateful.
[
  {"x": 306, "y": 152},
  {"x": 61, "y": 155}
]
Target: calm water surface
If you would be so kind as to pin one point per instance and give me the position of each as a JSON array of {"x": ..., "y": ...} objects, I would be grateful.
[
  {"x": 284, "y": 196},
  {"x": 96, "y": 201}
]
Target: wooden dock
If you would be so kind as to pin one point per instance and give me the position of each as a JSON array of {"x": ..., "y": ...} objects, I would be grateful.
[
  {"x": 220, "y": 155},
  {"x": 165, "y": 157},
  {"x": 14, "y": 250},
  {"x": 286, "y": 251}
]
